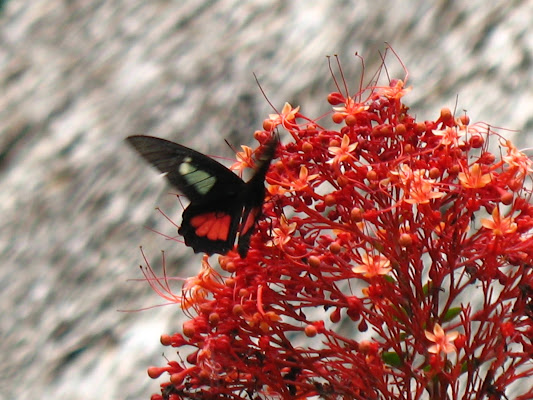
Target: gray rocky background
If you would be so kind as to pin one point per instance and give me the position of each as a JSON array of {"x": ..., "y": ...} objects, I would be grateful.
[{"x": 77, "y": 76}]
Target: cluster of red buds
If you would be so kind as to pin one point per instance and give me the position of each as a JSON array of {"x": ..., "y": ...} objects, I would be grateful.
[{"x": 394, "y": 260}]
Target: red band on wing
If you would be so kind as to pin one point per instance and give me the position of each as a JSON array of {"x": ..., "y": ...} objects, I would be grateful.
[
  {"x": 249, "y": 223},
  {"x": 213, "y": 225}
]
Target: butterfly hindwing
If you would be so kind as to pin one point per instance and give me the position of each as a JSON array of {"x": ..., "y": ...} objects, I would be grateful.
[
  {"x": 222, "y": 205},
  {"x": 211, "y": 228}
]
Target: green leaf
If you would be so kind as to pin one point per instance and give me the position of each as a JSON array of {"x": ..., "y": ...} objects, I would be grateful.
[
  {"x": 452, "y": 313},
  {"x": 391, "y": 358},
  {"x": 427, "y": 288}
]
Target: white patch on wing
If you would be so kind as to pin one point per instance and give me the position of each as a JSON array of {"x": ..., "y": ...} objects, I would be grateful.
[{"x": 201, "y": 180}]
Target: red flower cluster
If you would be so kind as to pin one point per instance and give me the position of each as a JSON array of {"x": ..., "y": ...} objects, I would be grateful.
[{"x": 394, "y": 261}]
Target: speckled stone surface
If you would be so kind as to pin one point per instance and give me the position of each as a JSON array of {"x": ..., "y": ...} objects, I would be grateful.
[{"x": 78, "y": 76}]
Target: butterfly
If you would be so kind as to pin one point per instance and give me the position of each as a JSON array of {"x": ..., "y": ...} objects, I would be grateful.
[{"x": 221, "y": 203}]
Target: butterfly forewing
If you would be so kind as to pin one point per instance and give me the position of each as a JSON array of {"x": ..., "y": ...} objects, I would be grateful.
[{"x": 196, "y": 175}]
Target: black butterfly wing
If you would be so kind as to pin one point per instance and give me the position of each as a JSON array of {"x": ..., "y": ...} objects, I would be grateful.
[
  {"x": 254, "y": 196},
  {"x": 221, "y": 203},
  {"x": 196, "y": 175},
  {"x": 211, "y": 228},
  {"x": 211, "y": 221}
]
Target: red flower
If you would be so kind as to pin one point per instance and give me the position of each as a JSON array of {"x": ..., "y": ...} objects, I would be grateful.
[{"x": 374, "y": 260}]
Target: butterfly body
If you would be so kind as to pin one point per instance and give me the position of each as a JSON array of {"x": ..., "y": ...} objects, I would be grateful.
[{"x": 221, "y": 203}]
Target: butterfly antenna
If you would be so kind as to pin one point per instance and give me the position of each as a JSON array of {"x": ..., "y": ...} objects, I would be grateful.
[
  {"x": 230, "y": 146},
  {"x": 264, "y": 94}
]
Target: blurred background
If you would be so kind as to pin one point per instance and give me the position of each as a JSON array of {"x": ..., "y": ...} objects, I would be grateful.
[{"x": 78, "y": 76}]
